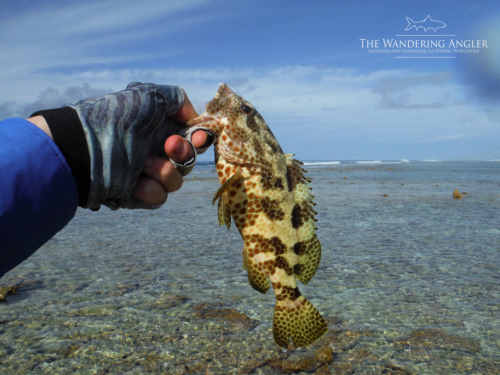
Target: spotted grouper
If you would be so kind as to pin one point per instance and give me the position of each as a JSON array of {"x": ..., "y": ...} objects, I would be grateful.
[{"x": 265, "y": 192}]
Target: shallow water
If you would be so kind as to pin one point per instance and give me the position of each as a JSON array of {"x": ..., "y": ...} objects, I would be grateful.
[{"x": 409, "y": 283}]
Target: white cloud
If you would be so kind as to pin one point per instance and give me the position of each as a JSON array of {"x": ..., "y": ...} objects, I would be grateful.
[
  {"x": 46, "y": 35},
  {"x": 446, "y": 138},
  {"x": 316, "y": 113}
]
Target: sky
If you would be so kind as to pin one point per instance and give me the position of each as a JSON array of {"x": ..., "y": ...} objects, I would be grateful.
[{"x": 306, "y": 66}]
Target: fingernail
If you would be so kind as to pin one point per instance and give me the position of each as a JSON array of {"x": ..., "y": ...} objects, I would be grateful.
[
  {"x": 178, "y": 149},
  {"x": 149, "y": 162}
]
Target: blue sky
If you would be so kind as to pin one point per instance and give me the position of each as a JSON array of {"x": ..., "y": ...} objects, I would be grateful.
[{"x": 300, "y": 63}]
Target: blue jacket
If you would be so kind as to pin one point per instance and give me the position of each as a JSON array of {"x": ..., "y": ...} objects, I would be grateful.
[{"x": 38, "y": 194}]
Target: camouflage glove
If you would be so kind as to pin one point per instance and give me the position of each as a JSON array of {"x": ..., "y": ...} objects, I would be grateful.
[{"x": 121, "y": 129}]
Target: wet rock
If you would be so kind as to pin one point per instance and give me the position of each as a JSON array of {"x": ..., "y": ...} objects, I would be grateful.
[
  {"x": 215, "y": 311},
  {"x": 457, "y": 195}
]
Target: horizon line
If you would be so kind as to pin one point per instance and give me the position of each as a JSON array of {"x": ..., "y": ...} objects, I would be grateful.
[
  {"x": 426, "y": 35},
  {"x": 425, "y": 57}
]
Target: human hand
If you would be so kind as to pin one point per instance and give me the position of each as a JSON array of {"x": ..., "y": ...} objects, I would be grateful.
[
  {"x": 107, "y": 140},
  {"x": 160, "y": 176}
]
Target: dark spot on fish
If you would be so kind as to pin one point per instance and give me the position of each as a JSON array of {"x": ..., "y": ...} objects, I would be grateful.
[
  {"x": 289, "y": 179},
  {"x": 282, "y": 263},
  {"x": 278, "y": 246},
  {"x": 271, "y": 209},
  {"x": 297, "y": 248},
  {"x": 272, "y": 145},
  {"x": 269, "y": 181},
  {"x": 296, "y": 217},
  {"x": 252, "y": 124},
  {"x": 297, "y": 269},
  {"x": 278, "y": 184},
  {"x": 296, "y": 292}
]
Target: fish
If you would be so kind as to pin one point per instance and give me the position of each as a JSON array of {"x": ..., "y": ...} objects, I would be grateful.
[
  {"x": 426, "y": 24},
  {"x": 265, "y": 193}
]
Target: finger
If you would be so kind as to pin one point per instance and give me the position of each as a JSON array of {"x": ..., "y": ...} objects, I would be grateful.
[
  {"x": 178, "y": 149},
  {"x": 186, "y": 112},
  {"x": 199, "y": 138},
  {"x": 163, "y": 172},
  {"x": 149, "y": 191}
]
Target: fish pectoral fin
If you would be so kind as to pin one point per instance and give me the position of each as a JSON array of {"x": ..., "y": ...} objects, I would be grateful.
[
  {"x": 224, "y": 212},
  {"x": 299, "y": 320},
  {"x": 231, "y": 180}
]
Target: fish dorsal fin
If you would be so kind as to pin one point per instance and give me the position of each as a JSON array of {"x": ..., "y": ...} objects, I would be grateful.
[{"x": 231, "y": 180}]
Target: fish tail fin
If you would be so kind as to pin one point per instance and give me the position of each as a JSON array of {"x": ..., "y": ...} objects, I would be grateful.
[
  {"x": 299, "y": 320},
  {"x": 411, "y": 24}
]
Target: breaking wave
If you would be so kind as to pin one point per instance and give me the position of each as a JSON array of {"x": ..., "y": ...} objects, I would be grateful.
[
  {"x": 370, "y": 162},
  {"x": 321, "y": 162}
]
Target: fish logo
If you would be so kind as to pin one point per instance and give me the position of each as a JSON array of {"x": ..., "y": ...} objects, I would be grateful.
[{"x": 426, "y": 24}]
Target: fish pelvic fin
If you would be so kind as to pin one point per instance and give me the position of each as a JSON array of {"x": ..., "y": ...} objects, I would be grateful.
[
  {"x": 230, "y": 181},
  {"x": 299, "y": 320},
  {"x": 411, "y": 24}
]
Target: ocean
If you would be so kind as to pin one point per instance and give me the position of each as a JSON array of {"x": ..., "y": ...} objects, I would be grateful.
[{"x": 408, "y": 282}]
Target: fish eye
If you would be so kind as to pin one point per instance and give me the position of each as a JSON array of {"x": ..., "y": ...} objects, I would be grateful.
[{"x": 247, "y": 109}]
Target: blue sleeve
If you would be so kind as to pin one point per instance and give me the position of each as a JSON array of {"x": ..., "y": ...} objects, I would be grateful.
[{"x": 38, "y": 194}]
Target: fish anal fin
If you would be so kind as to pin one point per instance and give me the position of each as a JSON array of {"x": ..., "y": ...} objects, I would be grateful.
[
  {"x": 308, "y": 258},
  {"x": 231, "y": 180},
  {"x": 298, "y": 320}
]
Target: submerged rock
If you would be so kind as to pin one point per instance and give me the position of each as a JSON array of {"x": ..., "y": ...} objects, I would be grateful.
[
  {"x": 303, "y": 361},
  {"x": 391, "y": 369},
  {"x": 457, "y": 195},
  {"x": 427, "y": 339},
  {"x": 215, "y": 311}
]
